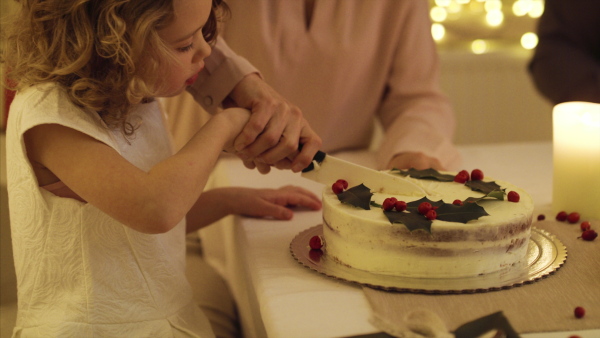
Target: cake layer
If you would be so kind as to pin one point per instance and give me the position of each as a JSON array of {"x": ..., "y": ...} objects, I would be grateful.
[{"x": 366, "y": 240}]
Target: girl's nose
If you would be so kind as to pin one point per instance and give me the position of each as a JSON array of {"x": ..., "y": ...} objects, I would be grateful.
[{"x": 202, "y": 52}]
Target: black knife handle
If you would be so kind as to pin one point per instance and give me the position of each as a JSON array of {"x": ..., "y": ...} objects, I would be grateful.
[{"x": 319, "y": 157}]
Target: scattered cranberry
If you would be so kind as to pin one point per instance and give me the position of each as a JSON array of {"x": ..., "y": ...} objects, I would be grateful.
[
  {"x": 431, "y": 215},
  {"x": 389, "y": 203},
  {"x": 476, "y": 175},
  {"x": 579, "y": 312},
  {"x": 316, "y": 242},
  {"x": 589, "y": 235},
  {"x": 513, "y": 196},
  {"x": 462, "y": 176},
  {"x": 337, "y": 187},
  {"x": 574, "y": 336},
  {"x": 562, "y": 216},
  {"x": 585, "y": 225},
  {"x": 457, "y": 202},
  {"x": 424, "y": 207},
  {"x": 541, "y": 217},
  {"x": 573, "y": 217},
  {"x": 344, "y": 183},
  {"x": 315, "y": 255},
  {"x": 400, "y": 206}
]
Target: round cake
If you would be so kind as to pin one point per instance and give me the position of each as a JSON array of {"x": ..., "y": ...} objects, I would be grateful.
[{"x": 477, "y": 227}]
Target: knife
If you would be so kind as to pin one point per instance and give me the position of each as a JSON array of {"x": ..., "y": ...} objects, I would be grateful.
[{"x": 327, "y": 169}]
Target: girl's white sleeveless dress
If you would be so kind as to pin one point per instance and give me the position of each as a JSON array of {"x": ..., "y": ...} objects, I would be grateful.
[{"x": 81, "y": 273}]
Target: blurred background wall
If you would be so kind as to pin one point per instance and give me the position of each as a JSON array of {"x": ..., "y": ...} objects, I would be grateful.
[{"x": 484, "y": 47}]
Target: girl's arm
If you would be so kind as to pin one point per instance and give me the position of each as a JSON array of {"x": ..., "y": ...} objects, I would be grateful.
[
  {"x": 218, "y": 203},
  {"x": 150, "y": 202}
]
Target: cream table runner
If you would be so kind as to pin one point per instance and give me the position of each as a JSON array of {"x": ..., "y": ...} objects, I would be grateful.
[{"x": 544, "y": 306}]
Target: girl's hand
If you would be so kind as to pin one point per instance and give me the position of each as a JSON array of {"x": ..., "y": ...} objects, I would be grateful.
[
  {"x": 217, "y": 203},
  {"x": 237, "y": 118},
  {"x": 275, "y": 203}
]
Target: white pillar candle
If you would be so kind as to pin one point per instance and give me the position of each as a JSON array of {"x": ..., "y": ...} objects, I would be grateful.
[{"x": 576, "y": 181}]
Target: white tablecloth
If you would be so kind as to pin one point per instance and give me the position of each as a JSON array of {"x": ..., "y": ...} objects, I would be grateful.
[{"x": 277, "y": 297}]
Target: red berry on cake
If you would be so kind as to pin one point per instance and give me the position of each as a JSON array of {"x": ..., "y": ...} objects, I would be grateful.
[
  {"x": 343, "y": 182},
  {"x": 579, "y": 312},
  {"x": 431, "y": 215},
  {"x": 389, "y": 203},
  {"x": 476, "y": 175},
  {"x": 573, "y": 217},
  {"x": 316, "y": 242},
  {"x": 562, "y": 216},
  {"x": 457, "y": 202},
  {"x": 400, "y": 206},
  {"x": 589, "y": 235},
  {"x": 585, "y": 225},
  {"x": 541, "y": 217},
  {"x": 337, "y": 188},
  {"x": 462, "y": 176},
  {"x": 513, "y": 196},
  {"x": 424, "y": 207}
]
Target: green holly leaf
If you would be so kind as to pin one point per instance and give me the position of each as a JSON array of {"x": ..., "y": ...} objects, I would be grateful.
[
  {"x": 376, "y": 205},
  {"x": 481, "y": 186},
  {"x": 412, "y": 221},
  {"x": 358, "y": 196},
  {"x": 414, "y": 205},
  {"x": 460, "y": 213},
  {"x": 426, "y": 174},
  {"x": 495, "y": 194}
]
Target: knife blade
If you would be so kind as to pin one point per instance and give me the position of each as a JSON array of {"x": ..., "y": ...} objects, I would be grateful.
[{"x": 327, "y": 169}]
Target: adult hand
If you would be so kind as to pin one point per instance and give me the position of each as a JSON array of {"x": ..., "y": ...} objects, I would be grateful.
[
  {"x": 275, "y": 130},
  {"x": 415, "y": 160}
]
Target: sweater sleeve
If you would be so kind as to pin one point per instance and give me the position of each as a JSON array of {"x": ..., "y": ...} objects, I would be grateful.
[
  {"x": 223, "y": 70},
  {"x": 415, "y": 114}
]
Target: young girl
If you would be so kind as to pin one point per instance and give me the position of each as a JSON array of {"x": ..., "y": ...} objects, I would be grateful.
[{"x": 97, "y": 199}]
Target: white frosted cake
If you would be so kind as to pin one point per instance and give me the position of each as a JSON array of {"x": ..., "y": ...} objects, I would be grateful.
[{"x": 486, "y": 235}]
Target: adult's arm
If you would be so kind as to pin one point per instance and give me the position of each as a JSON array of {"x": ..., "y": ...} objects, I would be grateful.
[
  {"x": 566, "y": 62},
  {"x": 223, "y": 70},
  {"x": 276, "y": 127},
  {"x": 416, "y": 115}
]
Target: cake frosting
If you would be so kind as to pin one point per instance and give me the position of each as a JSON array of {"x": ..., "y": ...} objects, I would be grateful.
[{"x": 497, "y": 238}]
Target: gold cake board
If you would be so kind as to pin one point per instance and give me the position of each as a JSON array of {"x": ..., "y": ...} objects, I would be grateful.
[{"x": 545, "y": 255}]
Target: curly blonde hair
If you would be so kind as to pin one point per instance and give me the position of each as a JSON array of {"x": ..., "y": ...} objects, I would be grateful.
[{"x": 97, "y": 50}]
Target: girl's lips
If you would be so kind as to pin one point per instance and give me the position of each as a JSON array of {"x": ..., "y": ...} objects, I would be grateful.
[{"x": 191, "y": 80}]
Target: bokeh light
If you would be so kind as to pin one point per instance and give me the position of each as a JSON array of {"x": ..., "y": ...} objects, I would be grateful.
[
  {"x": 438, "y": 31},
  {"x": 529, "y": 40},
  {"x": 479, "y": 46}
]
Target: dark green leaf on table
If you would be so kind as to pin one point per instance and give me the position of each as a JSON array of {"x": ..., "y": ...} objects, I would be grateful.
[
  {"x": 358, "y": 196},
  {"x": 481, "y": 326},
  {"x": 412, "y": 221},
  {"x": 426, "y": 174}
]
